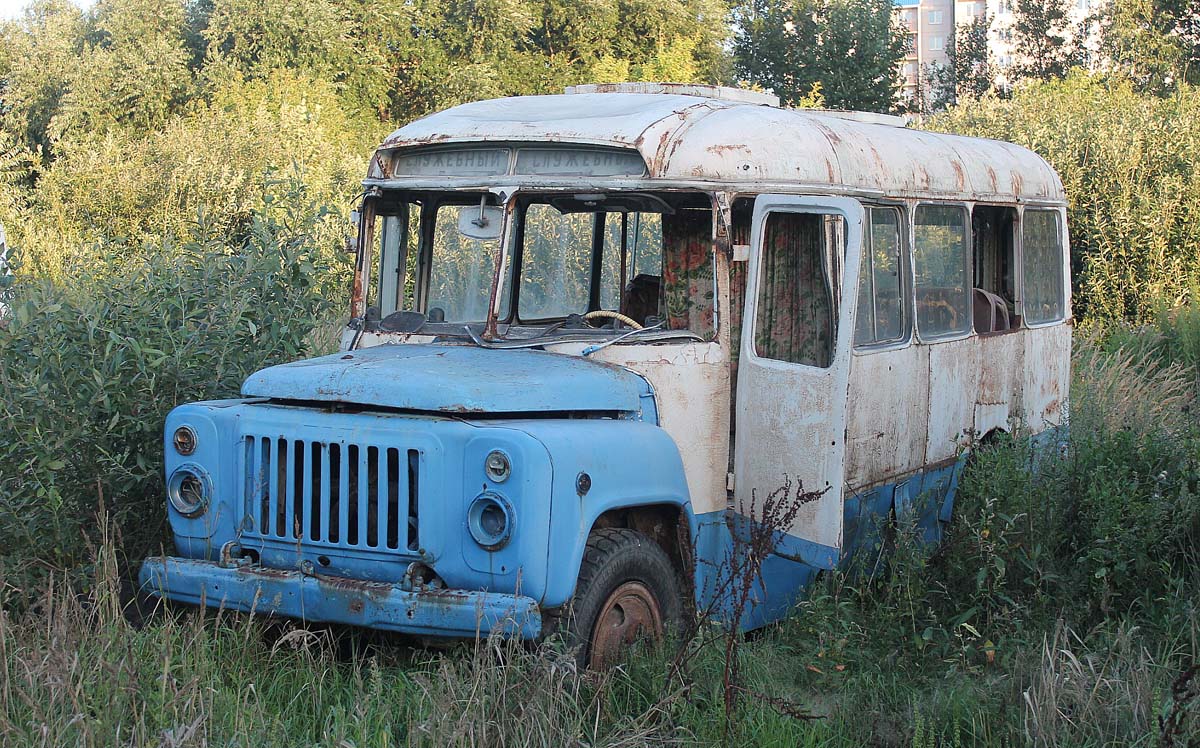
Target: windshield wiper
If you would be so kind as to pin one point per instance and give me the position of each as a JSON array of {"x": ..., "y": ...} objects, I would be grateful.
[{"x": 599, "y": 346}]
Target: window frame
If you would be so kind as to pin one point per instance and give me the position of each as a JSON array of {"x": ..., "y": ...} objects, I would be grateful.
[
  {"x": 965, "y": 207},
  {"x": 905, "y": 265},
  {"x": 1063, "y": 264}
]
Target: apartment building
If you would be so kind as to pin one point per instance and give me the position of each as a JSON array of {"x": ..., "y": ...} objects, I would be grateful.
[{"x": 930, "y": 25}]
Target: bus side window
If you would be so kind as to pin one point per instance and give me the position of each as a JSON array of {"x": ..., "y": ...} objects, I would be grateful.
[
  {"x": 994, "y": 295},
  {"x": 881, "y": 314},
  {"x": 1042, "y": 268},
  {"x": 796, "y": 320},
  {"x": 941, "y": 262}
]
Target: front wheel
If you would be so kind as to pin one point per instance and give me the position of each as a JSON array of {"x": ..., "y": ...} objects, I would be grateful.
[{"x": 627, "y": 589}]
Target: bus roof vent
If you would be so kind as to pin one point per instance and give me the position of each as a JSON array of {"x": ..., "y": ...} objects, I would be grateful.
[{"x": 724, "y": 93}]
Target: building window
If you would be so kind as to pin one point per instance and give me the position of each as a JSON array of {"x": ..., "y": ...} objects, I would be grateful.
[
  {"x": 937, "y": 43},
  {"x": 1005, "y": 7},
  {"x": 935, "y": 17}
]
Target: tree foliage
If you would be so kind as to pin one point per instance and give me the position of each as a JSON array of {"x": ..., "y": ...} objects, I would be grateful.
[
  {"x": 1155, "y": 42},
  {"x": 851, "y": 49},
  {"x": 1044, "y": 39},
  {"x": 970, "y": 71}
]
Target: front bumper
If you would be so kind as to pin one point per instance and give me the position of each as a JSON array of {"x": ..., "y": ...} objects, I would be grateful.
[{"x": 325, "y": 599}]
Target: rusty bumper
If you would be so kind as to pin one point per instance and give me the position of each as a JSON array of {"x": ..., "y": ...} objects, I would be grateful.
[{"x": 380, "y": 605}]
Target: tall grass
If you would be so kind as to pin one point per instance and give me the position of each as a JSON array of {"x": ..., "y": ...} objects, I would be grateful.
[
  {"x": 93, "y": 362},
  {"x": 1061, "y": 610}
]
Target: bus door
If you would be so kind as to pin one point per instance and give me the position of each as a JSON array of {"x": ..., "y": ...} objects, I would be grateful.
[{"x": 792, "y": 383}]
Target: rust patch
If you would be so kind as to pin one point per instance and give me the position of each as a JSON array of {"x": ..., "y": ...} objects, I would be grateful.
[
  {"x": 660, "y": 157},
  {"x": 959, "y": 177},
  {"x": 722, "y": 150},
  {"x": 992, "y": 178},
  {"x": 268, "y": 573},
  {"x": 374, "y": 590},
  {"x": 383, "y": 168},
  {"x": 879, "y": 163},
  {"x": 356, "y": 294},
  {"x": 427, "y": 140}
]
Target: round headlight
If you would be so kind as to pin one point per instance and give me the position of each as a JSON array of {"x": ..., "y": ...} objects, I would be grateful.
[
  {"x": 188, "y": 490},
  {"x": 184, "y": 440},
  {"x": 490, "y": 521},
  {"x": 497, "y": 466}
]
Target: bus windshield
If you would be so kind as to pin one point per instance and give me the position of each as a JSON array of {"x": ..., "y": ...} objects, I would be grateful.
[{"x": 576, "y": 262}]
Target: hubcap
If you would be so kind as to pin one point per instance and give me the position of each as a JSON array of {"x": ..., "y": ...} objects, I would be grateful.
[{"x": 629, "y": 612}]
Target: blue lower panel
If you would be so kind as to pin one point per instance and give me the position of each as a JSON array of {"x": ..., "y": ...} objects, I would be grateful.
[
  {"x": 443, "y": 613},
  {"x": 923, "y": 500},
  {"x": 779, "y": 580}
]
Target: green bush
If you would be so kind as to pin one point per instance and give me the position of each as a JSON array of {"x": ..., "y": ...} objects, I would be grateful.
[
  {"x": 92, "y": 363},
  {"x": 1128, "y": 162}
]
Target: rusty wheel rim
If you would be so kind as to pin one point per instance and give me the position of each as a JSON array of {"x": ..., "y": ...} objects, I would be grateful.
[{"x": 629, "y": 612}]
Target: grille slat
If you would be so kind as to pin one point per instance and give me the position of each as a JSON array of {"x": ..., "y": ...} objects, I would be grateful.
[
  {"x": 273, "y": 457},
  {"x": 332, "y": 493},
  {"x": 323, "y": 530},
  {"x": 363, "y": 500}
]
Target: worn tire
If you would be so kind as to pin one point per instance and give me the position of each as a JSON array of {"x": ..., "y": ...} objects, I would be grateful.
[{"x": 622, "y": 570}]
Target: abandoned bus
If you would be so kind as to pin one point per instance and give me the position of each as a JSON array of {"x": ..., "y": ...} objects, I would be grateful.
[{"x": 592, "y": 334}]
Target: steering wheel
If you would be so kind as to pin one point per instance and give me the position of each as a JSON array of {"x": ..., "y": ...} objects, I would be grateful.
[{"x": 606, "y": 314}]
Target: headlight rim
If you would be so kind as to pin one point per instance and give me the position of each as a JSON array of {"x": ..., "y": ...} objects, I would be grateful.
[
  {"x": 175, "y": 440},
  {"x": 175, "y": 483},
  {"x": 488, "y": 541}
]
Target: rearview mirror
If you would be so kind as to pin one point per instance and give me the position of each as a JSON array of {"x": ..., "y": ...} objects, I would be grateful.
[
  {"x": 482, "y": 222},
  {"x": 351, "y": 245}
]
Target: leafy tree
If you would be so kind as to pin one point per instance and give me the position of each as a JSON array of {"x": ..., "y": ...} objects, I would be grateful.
[
  {"x": 39, "y": 56},
  {"x": 850, "y": 47},
  {"x": 133, "y": 69},
  {"x": 1156, "y": 43},
  {"x": 969, "y": 70},
  {"x": 1044, "y": 39}
]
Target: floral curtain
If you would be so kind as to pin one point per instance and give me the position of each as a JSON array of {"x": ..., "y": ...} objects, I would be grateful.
[
  {"x": 795, "y": 307},
  {"x": 688, "y": 271}
]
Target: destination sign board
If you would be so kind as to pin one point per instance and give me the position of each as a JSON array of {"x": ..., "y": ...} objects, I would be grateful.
[
  {"x": 579, "y": 162},
  {"x": 460, "y": 162},
  {"x": 530, "y": 161}
]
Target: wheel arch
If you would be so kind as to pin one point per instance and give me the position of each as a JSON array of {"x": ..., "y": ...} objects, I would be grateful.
[{"x": 670, "y": 526}]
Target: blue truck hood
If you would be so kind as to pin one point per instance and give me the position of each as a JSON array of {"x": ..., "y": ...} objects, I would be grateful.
[{"x": 456, "y": 379}]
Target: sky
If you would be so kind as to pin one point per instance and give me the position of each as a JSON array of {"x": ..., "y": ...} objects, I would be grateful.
[{"x": 10, "y": 9}]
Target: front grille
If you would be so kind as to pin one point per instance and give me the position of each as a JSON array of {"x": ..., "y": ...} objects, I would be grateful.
[{"x": 332, "y": 493}]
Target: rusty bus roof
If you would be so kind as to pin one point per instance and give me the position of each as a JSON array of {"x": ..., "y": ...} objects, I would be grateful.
[{"x": 697, "y": 139}]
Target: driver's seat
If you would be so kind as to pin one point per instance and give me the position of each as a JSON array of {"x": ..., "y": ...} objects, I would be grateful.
[{"x": 642, "y": 296}]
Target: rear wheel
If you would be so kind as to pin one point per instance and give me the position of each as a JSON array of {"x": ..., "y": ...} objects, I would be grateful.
[{"x": 627, "y": 589}]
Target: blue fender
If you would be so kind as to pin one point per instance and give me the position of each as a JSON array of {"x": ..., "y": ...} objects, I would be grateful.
[{"x": 627, "y": 463}]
